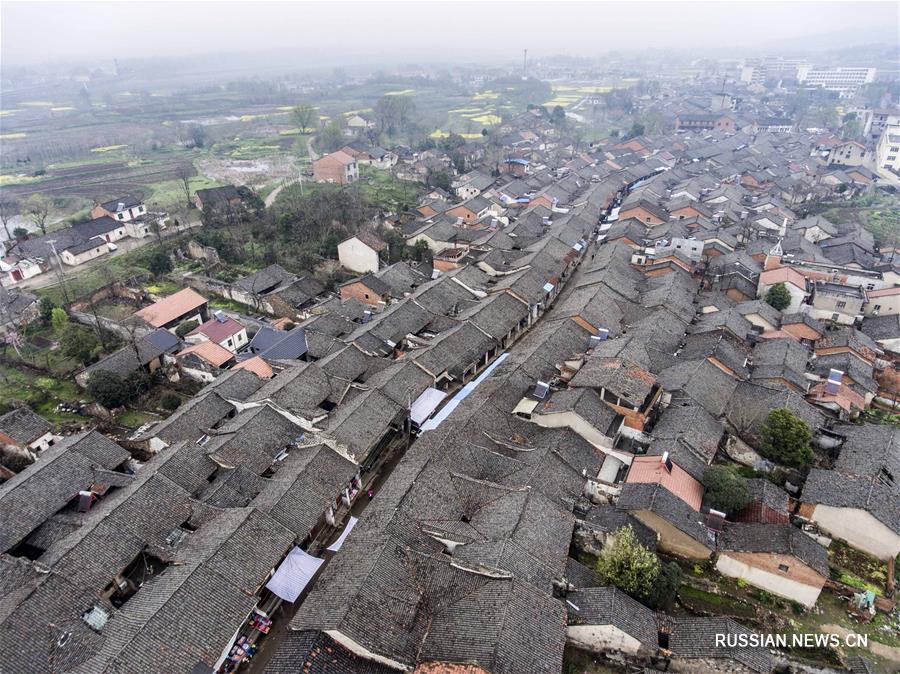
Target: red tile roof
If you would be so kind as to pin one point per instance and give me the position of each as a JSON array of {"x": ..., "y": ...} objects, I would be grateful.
[
  {"x": 169, "y": 308},
  {"x": 650, "y": 470},
  {"x": 218, "y": 331},
  {"x": 210, "y": 352},
  {"x": 257, "y": 366}
]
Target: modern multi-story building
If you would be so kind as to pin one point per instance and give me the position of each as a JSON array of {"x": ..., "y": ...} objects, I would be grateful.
[
  {"x": 888, "y": 151},
  {"x": 876, "y": 121},
  {"x": 844, "y": 80},
  {"x": 757, "y": 71}
]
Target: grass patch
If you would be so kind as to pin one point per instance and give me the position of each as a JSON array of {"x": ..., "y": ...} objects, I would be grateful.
[
  {"x": 161, "y": 287},
  {"x": 41, "y": 393},
  {"x": 108, "y": 148},
  {"x": 856, "y": 568},
  {"x": 82, "y": 283},
  {"x": 135, "y": 418},
  {"x": 6, "y": 180},
  {"x": 169, "y": 194},
  {"x": 831, "y": 610},
  {"x": 216, "y": 302},
  {"x": 387, "y": 191},
  {"x": 701, "y": 601},
  {"x": 486, "y": 119}
]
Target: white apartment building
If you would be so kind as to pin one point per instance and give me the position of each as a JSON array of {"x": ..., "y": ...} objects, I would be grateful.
[
  {"x": 888, "y": 150},
  {"x": 841, "y": 79}
]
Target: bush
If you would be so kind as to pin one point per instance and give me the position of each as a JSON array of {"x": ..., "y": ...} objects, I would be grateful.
[
  {"x": 59, "y": 319},
  {"x": 109, "y": 389},
  {"x": 186, "y": 327},
  {"x": 662, "y": 596},
  {"x": 779, "y": 296},
  {"x": 45, "y": 310},
  {"x": 627, "y": 564},
  {"x": 80, "y": 344},
  {"x": 169, "y": 400},
  {"x": 159, "y": 263},
  {"x": 725, "y": 490},
  {"x": 785, "y": 439}
]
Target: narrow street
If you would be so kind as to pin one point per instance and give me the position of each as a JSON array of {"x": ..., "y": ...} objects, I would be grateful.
[{"x": 393, "y": 453}]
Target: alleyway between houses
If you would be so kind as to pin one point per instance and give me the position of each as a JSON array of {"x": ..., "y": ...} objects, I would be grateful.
[{"x": 392, "y": 456}]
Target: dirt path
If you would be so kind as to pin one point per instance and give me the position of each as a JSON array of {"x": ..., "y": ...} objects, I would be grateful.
[
  {"x": 879, "y": 649},
  {"x": 269, "y": 200},
  {"x": 274, "y": 193}
]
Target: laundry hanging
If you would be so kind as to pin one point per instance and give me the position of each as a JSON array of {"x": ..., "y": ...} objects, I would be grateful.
[
  {"x": 294, "y": 574},
  {"x": 334, "y": 547}
]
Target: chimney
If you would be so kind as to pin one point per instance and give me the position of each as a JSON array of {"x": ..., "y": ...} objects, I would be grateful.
[
  {"x": 121, "y": 206},
  {"x": 85, "y": 500}
]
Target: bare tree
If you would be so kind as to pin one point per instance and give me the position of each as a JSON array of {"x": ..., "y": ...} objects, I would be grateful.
[
  {"x": 8, "y": 208},
  {"x": 37, "y": 206},
  {"x": 184, "y": 175}
]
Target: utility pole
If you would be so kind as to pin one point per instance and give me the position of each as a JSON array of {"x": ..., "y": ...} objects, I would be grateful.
[{"x": 59, "y": 270}]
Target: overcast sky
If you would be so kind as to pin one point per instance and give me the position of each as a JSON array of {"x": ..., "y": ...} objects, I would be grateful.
[{"x": 48, "y": 31}]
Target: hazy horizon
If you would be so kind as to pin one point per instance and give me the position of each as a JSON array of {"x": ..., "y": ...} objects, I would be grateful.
[{"x": 44, "y": 32}]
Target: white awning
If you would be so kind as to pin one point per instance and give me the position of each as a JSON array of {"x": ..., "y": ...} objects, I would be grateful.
[
  {"x": 463, "y": 393},
  {"x": 294, "y": 574},
  {"x": 334, "y": 547},
  {"x": 425, "y": 405}
]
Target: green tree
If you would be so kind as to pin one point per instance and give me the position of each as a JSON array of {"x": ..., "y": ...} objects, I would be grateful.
[
  {"x": 394, "y": 114},
  {"x": 779, "y": 296},
  {"x": 20, "y": 232},
  {"x": 637, "y": 129},
  {"x": 169, "y": 400},
  {"x": 785, "y": 439},
  {"x": 725, "y": 490},
  {"x": 59, "y": 319},
  {"x": 160, "y": 263},
  {"x": 627, "y": 564},
  {"x": 438, "y": 179},
  {"x": 662, "y": 596},
  {"x": 109, "y": 389},
  {"x": 304, "y": 115},
  {"x": 80, "y": 344},
  {"x": 558, "y": 116},
  {"x": 45, "y": 310},
  {"x": 331, "y": 137}
]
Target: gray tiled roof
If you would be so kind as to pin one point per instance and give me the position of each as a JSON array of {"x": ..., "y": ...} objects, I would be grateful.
[
  {"x": 659, "y": 500},
  {"x": 695, "y": 638},
  {"x": 611, "y": 606},
  {"x": 843, "y": 490},
  {"x": 47, "y": 486},
  {"x": 782, "y": 539},
  {"x": 24, "y": 426}
]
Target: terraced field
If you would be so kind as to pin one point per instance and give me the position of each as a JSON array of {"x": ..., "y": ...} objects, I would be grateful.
[{"x": 105, "y": 180}]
